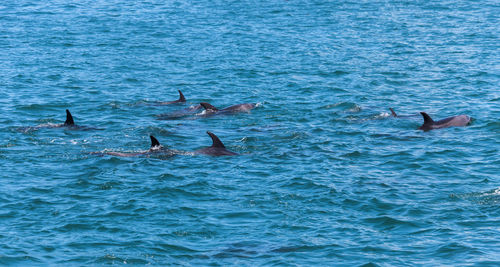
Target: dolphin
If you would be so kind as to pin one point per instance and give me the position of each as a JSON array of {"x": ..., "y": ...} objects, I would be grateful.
[
  {"x": 393, "y": 112},
  {"x": 217, "y": 148},
  {"x": 156, "y": 149},
  {"x": 181, "y": 99},
  {"x": 211, "y": 110},
  {"x": 429, "y": 124},
  {"x": 68, "y": 124},
  {"x": 69, "y": 121}
]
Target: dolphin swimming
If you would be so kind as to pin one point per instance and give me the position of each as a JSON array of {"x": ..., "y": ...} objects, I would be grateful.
[
  {"x": 69, "y": 121},
  {"x": 181, "y": 99},
  {"x": 393, "y": 112},
  {"x": 217, "y": 148},
  {"x": 211, "y": 110},
  {"x": 430, "y": 124},
  {"x": 156, "y": 149},
  {"x": 68, "y": 124}
]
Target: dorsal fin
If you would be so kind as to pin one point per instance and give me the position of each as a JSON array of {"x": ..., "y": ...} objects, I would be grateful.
[
  {"x": 69, "y": 119},
  {"x": 216, "y": 142},
  {"x": 181, "y": 97},
  {"x": 207, "y": 106},
  {"x": 427, "y": 118},
  {"x": 393, "y": 112},
  {"x": 154, "y": 141}
]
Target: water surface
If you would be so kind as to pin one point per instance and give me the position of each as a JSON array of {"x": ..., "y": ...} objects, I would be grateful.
[{"x": 326, "y": 176}]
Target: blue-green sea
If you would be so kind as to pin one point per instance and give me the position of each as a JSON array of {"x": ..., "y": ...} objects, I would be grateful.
[{"x": 325, "y": 176}]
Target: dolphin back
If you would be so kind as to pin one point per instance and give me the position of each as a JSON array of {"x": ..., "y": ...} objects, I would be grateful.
[
  {"x": 208, "y": 106},
  {"x": 217, "y": 148},
  {"x": 69, "y": 118},
  {"x": 181, "y": 97},
  {"x": 430, "y": 124},
  {"x": 154, "y": 142},
  {"x": 216, "y": 142},
  {"x": 393, "y": 112}
]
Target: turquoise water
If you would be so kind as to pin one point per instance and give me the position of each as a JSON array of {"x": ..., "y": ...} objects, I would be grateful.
[{"x": 326, "y": 176}]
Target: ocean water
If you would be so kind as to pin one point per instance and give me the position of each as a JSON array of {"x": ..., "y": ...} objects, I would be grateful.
[{"x": 325, "y": 177}]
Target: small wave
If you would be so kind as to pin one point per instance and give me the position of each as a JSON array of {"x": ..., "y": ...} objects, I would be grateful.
[
  {"x": 453, "y": 248},
  {"x": 495, "y": 126},
  {"x": 370, "y": 264},
  {"x": 336, "y": 73},
  {"x": 382, "y": 115},
  {"x": 491, "y": 197},
  {"x": 28, "y": 129},
  {"x": 36, "y": 107},
  {"x": 20, "y": 260},
  {"x": 354, "y": 154},
  {"x": 48, "y": 125},
  {"x": 345, "y": 106},
  {"x": 306, "y": 184},
  {"x": 112, "y": 259},
  {"x": 294, "y": 136},
  {"x": 389, "y": 223},
  {"x": 72, "y": 227}
]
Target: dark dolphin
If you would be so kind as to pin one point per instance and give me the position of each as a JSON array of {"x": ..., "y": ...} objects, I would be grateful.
[
  {"x": 429, "y": 124},
  {"x": 156, "y": 149},
  {"x": 217, "y": 148},
  {"x": 211, "y": 110},
  {"x": 68, "y": 124},
  {"x": 393, "y": 112},
  {"x": 181, "y": 99}
]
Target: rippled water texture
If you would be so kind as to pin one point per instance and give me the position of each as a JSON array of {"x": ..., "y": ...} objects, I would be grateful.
[{"x": 325, "y": 175}]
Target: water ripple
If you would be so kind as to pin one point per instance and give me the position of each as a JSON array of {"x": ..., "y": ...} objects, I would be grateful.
[{"x": 326, "y": 175}]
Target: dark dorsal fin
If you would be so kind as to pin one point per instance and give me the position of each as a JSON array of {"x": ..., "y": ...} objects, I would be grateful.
[
  {"x": 181, "y": 97},
  {"x": 154, "y": 141},
  {"x": 69, "y": 119},
  {"x": 393, "y": 112},
  {"x": 207, "y": 106},
  {"x": 427, "y": 118},
  {"x": 215, "y": 140}
]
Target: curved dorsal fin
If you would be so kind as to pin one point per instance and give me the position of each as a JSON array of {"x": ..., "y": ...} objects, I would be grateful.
[
  {"x": 69, "y": 119},
  {"x": 216, "y": 142},
  {"x": 427, "y": 118},
  {"x": 207, "y": 106},
  {"x": 154, "y": 141},
  {"x": 393, "y": 112},
  {"x": 181, "y": 97}
]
